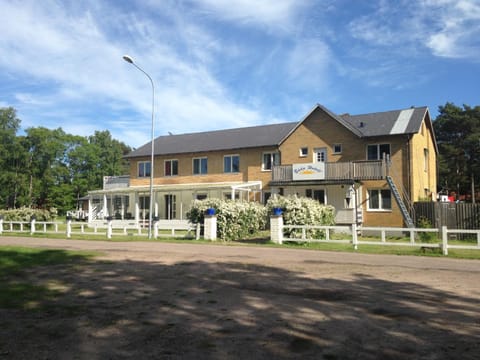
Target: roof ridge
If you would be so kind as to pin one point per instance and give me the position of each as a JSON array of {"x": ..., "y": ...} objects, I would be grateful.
[
  {"x": 231, "y": 129},
  {"x": 383, "y": 112}
]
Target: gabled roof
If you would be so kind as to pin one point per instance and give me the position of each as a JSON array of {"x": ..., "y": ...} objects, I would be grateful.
[
  {"x": 334, "y": 116},
  {"x": 230, "y": 139},
  {"x": 407, "y": 121}
]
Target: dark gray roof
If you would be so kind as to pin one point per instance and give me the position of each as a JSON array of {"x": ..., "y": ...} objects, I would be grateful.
[
  {"x": 230, "y": 139},
  {"x": 407, "y": 121}
]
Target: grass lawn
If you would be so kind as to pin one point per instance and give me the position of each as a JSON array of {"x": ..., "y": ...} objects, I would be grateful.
[{"x": 15, "y": 293}]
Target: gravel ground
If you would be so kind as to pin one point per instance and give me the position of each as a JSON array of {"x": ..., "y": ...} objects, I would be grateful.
[{"x": 148, "y": 300}]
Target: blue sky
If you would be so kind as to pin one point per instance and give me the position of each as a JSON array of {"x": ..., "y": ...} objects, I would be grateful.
[{"x": 223, "y": 64}]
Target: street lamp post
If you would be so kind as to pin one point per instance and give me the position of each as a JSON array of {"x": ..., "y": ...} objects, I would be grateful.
[{"x": 130, "y": 60}]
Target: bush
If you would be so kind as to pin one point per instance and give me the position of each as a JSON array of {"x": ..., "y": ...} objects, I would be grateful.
[
  {"x": 235, "y": 219},
  {"x": 25, "y": 214},
  {"x": 303, "y": 211},
  {"x": 426, "y": 237}
]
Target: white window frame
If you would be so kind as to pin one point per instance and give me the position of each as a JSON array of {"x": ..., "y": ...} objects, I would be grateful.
[
  {"x": 171, "y": 167},
  {"x": 142, "y": 165},
  {"x": 334, "y": 149},
  {"x": 200, "y": 159},
  {"x": 379, "y": 154},
  {"x": 230, "y": 171},
  {"x": 380, "y": 200},
  {"x": 303, "y": 151},
  {"x": 323, "y": 151},
  {"x": 273, "y": 155}
]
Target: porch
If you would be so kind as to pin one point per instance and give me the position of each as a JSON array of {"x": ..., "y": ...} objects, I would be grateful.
[{"x": 127, "y": 205}]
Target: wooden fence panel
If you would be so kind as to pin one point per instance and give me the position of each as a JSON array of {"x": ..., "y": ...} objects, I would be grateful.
[{"x": 465, "y": 216}]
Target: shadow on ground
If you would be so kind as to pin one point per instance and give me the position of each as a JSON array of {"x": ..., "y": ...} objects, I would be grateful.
[{"x": 231, "y": 310}]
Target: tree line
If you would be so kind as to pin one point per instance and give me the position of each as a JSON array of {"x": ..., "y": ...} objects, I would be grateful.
[
  {"x": 457, "y": 130},
  {"x": 52, "y": 169}
]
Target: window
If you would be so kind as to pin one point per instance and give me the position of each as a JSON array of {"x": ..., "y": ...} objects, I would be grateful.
[
  {"x": 425, "y": 160},
  {"x": 318, "y": 195},
  {"x": 303, "y": 151},
  {"x": 337, "y": 148},
  {"x": 269, "y": 160},
  {"x": 144, "y": 169},
  {"x": 200, "y": 166},
  {"x": 376, "y": 151},
  {"x": 379, "y": 199},
  {"x": 231, "y": 164},
  {"x": 200, "y": 196},
  {"x": 171, "y": 206},
  {"x": 319, "y": 155},
  {"x": 171, "y": 167}
]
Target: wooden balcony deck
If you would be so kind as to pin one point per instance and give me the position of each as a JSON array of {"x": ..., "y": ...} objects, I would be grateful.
[{"x": 354, "y": 170}]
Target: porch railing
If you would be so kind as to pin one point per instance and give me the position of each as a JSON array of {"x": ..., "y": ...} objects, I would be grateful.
[{"x": 354, "y": 170}]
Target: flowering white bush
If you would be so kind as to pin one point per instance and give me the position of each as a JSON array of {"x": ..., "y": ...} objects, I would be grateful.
[
  {"x": 302, "y": 211},
  {"x": 25, "y": 214},
  {"x": 235, "y": 219},
  {"x": 239, "y": 219}
]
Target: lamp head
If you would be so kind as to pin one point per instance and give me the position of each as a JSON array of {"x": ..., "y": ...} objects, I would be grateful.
[{"x": 128, "y": 59}]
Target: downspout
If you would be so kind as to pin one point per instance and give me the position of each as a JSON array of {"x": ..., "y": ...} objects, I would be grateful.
[{"x": 409, "y": 138}]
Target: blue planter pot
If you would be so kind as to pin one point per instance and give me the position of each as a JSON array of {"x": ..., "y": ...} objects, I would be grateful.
[
  {"x": 210, "y": 211},
  {"x": 277, "y": 211}
]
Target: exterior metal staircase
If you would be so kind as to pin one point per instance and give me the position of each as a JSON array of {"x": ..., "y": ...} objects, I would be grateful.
[{"x": 401, "y": 204}]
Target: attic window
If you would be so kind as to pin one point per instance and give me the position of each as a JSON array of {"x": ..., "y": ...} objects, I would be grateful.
[
  {"x": 337, "y": 148},
  {"x": 303, "y": 151}
]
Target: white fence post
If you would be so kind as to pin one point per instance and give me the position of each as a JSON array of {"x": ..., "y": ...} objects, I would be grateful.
[
  {"x": 155, "y": 227},
  {"x": 1, "y": 224},
  {"x": 109, "y": 227},
  {"x": 32, "y": 224},
  {"x": 197, "y": 231},
  {"x": 444, "y": 240},
  {"x": 354, "y": 236},
  {"x": 69, "y": 227},
  {"x": 276, "y": 229},
  {"x": 210, "y": 227}
]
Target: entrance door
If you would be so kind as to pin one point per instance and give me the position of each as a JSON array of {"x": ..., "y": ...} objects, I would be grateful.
[
  {"x": 319, "y": 155},
  {"x": 171, "y": 206}
]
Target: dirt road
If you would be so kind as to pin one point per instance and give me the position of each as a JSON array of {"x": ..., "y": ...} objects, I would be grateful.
[{"x": 182, "y": 301}]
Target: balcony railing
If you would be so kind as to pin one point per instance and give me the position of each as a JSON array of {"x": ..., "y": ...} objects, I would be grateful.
[{"x": 354, "y": 170}]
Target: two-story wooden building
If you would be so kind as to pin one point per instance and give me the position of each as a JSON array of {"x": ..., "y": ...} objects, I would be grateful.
[{"x": 369, "y": 167}]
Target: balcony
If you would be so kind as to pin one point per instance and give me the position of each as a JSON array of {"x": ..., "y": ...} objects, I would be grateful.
[
  {"x": 335, "y": 171},
  {"x": 115, "y": 182}
]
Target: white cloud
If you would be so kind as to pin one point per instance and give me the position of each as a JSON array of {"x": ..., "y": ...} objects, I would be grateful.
[
  {"x": 458, "y": 31},
  {"x": 270, "y": 13},
  {"x": 448, "y": 28},
  {"x": 77, "y": 62},
  {"x": 308, "y": 64}
]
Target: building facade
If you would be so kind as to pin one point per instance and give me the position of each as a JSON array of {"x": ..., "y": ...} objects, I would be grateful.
[{"x": 369, "y": 167}]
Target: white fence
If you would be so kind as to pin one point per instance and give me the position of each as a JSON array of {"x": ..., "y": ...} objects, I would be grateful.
[
  {"x": 352, "y": 235},
  {"x": 344, "y": 234},
  {"x": 109, "y": 228}
]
